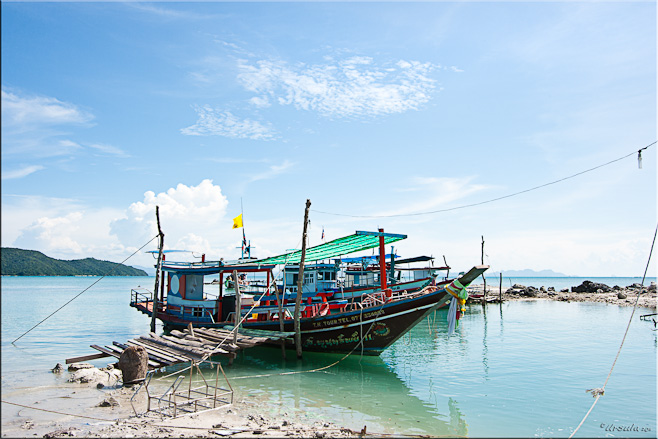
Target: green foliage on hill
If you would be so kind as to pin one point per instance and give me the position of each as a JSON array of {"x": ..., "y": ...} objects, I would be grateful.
[{"x": 18, "y": 262}]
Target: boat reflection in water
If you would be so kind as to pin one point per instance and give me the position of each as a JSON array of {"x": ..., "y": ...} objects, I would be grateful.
[{"x": 356, "y": 391}]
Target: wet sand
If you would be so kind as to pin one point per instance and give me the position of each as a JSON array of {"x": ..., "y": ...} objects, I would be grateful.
[{"x": 243, "y": 418}]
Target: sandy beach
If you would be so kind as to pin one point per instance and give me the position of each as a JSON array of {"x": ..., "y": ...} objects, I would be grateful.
[{"x": 113, "y": 416}]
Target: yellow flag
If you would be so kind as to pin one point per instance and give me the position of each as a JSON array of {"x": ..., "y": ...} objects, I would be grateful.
[{"x": 237, "y": 221}]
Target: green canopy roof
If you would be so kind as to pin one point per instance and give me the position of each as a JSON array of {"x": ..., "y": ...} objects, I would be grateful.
[{"x": 338, "y": 247}]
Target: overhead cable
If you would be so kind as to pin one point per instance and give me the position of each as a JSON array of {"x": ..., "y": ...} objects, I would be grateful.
[{"x": 638, "y": 152}]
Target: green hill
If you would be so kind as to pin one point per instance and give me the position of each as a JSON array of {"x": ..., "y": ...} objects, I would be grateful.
[{"x": 18, "y": 262}]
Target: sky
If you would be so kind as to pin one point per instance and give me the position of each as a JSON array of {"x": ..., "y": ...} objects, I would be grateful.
[{"x": 423, "y": 119}]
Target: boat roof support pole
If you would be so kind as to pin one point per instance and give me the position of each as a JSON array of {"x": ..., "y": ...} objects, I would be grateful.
[{"x": 157, "y": 271}]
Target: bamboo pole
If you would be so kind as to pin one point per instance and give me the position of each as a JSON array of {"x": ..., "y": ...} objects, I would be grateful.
[
  {"x": 157, "y": 270},
  {"x": 300, "y": 283},
  {"x": 238, "y": 306},
  {"x": 484, "y": 293},
  {"x": 279, "y": 301}
]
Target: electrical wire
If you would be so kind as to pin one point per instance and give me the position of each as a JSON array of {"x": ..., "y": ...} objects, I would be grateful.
[{"x": 639, "y": 152}]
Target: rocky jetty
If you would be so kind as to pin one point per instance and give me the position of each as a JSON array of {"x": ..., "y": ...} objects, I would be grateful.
[{"x": 586, "y": 292}]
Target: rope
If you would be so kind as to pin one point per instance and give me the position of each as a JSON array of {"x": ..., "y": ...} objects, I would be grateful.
[
  {"x": 598, "y": 392},
  {"x": 360, "y": 343},
  {"x": 79, "y": 294},
  {"x": 639, "y": 152}
]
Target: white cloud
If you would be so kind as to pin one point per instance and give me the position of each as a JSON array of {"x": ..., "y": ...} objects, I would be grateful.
[
  {"x": 109, "y": 150},
  {"x": 172, "y": 14},
  {"x": 59, "y": 228},
  {"x": 354, "y": 87},
  {"x": 54, "y": 233},
  {"x": 434, "y": 193},
  {"x": 192, "y": 218},
  {"x": 25, "y": 112},
  {"x": 182, "y": 209},
  {"x": 273, "y": 171},
  {"x": 260, "y": 101},
  {"x": 20, "y": 173},
  {"x": 215, "y": 122}
]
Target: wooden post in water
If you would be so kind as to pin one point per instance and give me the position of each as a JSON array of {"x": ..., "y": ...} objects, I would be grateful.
[
  {"x": 484, "y": 293},
  {"x": 281, "y": 317},
  {"x": 157, "y": 270},
  {"x": 500, "y": 288},
  {"x": 238, "y": 306},
  {"x": 300, "y": 283}
]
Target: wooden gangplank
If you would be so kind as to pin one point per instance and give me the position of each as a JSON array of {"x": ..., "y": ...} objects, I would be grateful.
[{"x": 187, "y": 345}]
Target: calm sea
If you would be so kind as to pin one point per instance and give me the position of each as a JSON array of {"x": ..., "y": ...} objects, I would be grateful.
[{"x": 520, "y": 369}]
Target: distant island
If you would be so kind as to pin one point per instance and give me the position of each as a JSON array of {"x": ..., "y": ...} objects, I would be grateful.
[
  {"x": 19, "y": 262},
  {"x": 528, "y": 273}
]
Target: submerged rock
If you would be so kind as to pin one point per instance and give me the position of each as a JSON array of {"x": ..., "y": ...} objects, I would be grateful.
[
  {"x": 78, "y": 366},
  {"x": 108, "y": 402},
  {"x": 59, "y": 368}
]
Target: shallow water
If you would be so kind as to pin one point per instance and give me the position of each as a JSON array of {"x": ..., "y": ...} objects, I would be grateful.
[{"x": 519, "y": 369}]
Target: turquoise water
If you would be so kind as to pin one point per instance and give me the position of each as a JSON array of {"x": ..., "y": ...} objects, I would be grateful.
[{"x": 519, "y": 369}]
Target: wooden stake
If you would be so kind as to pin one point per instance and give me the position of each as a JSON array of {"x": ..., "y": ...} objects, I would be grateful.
[
  {"x": 238, "y": 306},
  {"x": 300, "y": 283},
  {"x": 281, "y": 317},
  {"x": 484, "y": 293},
  {"x": 500, "y": 288},
  {"x": 157, "y": 271}
]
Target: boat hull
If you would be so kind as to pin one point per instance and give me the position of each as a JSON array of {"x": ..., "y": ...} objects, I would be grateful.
[{"x": 378, "y": 326}]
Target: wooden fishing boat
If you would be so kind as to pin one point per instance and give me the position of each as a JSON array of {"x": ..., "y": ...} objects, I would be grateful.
[
  {"x": 367, "y": 326},
  {"x": 371, "y": 323}
]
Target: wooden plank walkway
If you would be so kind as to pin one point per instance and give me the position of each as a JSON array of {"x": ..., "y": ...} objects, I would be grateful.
[{"x": 187, "y": 345}]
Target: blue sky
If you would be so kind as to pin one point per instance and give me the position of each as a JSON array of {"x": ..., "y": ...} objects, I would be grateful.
[{"x": 376, "y": 112}]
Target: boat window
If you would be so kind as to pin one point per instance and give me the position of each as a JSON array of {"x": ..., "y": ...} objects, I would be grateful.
[
  {"x": 326, "y": 275},
  {"x": 309, "y": 278},
  {"x": 291, "y": 279}
]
